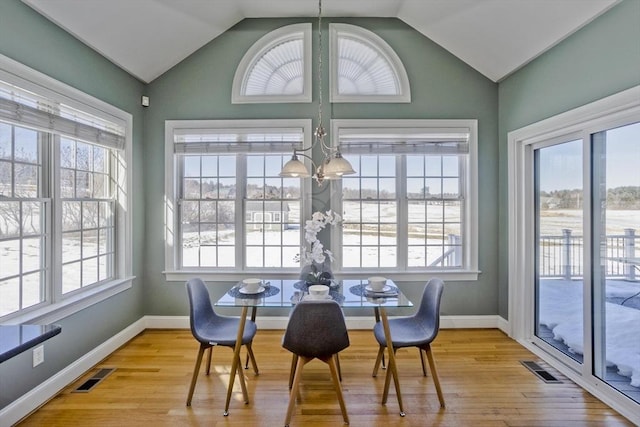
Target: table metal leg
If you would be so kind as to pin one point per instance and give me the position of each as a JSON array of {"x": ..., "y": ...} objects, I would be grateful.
[
  {"x": 392, "y": 361},
  {"x": 236, "y": 364}
]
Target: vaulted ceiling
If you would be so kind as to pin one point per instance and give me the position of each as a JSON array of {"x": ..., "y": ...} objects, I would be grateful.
[{"x": 148, "y": 37}]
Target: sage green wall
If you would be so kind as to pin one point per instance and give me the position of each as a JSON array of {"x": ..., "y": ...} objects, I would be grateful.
[
  {"x": 601, "y": 59},
  {"x": 27, "y": 37},
  {"x": 442, "y": 87}
]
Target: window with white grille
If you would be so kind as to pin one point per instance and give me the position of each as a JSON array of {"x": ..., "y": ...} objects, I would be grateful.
[
  {"x": 234, "y": 212},
  {"x": 64, "y": 215},
  {"x": 411, "y": 205}
]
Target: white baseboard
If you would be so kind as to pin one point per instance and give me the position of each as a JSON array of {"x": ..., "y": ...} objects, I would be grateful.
[
  {"x": 503, "y": 325},
  {"x": 353, "y": 322},
  {"x": 30, "y": 401}
]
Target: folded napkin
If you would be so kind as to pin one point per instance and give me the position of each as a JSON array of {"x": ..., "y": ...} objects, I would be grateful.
[
  {"x": 392, "y": 292},
  {"x": 361, "y": 291},
  {"x": 389, "y": 293}
]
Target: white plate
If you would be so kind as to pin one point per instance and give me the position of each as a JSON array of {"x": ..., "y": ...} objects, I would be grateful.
[
  {"x": 385, "y": 288},
  {"x": 248, "y": 292},
  {"x": 312, "y": 298}
]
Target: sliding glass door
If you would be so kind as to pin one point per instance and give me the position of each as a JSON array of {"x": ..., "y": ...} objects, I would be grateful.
[
  {"x": 615, "y": 218},
  {"x": 586, "y": 200},
  {"x": 559, "y": 217}
]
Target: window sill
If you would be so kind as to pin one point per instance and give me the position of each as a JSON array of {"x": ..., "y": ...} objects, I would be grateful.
[
  {"x": 228, "y": 276},
  {"x": 398, "y": 276},
  {"x": 51, "y": 313},
  {"x": 413, "y": 276}
]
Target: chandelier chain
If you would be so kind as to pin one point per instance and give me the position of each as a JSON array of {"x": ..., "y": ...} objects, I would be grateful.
[
  {"x": 332, "y": 166},
  {"x": 320, "y": 130}
]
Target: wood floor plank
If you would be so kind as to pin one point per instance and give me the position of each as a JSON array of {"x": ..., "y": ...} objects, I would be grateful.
[{"x": 483, "y": 382}]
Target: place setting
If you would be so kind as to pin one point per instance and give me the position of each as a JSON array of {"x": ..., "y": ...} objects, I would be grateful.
[
  {"x": 375, "y": 287},
  {"x": 317, "y": 293},
  {"x": 304, "y": 285},
  {"x": 253, "y": 288}
]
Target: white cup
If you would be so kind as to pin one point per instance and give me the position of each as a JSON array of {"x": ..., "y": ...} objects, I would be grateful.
[
  {"x": 318, "y": 291},
  {"x": 251, "y": 285},
  {"x": 377, "y": 283}
]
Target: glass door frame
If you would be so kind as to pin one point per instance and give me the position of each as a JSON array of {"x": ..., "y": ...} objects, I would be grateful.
[{"x": 531, "y": 193}]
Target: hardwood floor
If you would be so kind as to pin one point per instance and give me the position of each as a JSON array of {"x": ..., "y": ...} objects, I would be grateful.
[{"x": 483, "y": 381}]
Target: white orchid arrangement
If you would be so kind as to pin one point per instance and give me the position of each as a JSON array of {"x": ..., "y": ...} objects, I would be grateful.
[{"x": 317, "y": 254}]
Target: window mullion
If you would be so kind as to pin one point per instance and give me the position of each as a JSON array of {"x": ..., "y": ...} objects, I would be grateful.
[
  {"x": 52, "y": 150},
  {"x": 464, "y": 195},
  {"x": 177, "y": 221},
  {"x": 403, "y": 212},
  {"x": 336, "y": 232},
  {"x": 240, "y": 223},
  {"x": 114, "y": 178}
]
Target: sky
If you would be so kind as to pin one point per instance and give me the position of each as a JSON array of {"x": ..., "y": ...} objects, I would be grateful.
[{"x": 561, "y": 165}]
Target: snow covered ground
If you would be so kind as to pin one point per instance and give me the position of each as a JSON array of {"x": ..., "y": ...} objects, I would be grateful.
[{"x": 561, "y": 311}]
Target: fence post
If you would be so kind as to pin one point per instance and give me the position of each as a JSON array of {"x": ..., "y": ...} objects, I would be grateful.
[
  {"x": 566, "y": 253},
  {"x": 454, "y": 242},
  {"x": 629, "y": 251}
]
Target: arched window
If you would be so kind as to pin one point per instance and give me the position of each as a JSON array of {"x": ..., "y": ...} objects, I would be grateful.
[
  {"x": 364, "y": 68},
  {"x": 277, "y": 68}
]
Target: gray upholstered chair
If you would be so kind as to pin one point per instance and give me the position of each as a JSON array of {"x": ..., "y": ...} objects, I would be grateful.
[
  {"x": 316, "y": 330},
  {"x": 211, "y": 329},
  {"x": 418, "y": 330}
]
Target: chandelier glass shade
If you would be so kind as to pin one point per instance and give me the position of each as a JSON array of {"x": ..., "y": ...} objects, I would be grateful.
[
  {"x": 294, "y": 168},
  {"x": 337, "y": 166}
]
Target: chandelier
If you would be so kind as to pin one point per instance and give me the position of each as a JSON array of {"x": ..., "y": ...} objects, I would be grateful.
[{"x": 333, "y": 165}]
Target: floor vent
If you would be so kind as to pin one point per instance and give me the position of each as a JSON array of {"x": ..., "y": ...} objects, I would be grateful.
[
  {"x": 541, "y": 372},
  {"x": 89, "y": 384}
]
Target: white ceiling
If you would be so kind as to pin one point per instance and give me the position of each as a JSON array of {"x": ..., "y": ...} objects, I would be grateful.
[{"x": 148, "y": 37}]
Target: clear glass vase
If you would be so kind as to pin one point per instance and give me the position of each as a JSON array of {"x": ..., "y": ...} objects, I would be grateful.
[{"x": 317, "y": 274}]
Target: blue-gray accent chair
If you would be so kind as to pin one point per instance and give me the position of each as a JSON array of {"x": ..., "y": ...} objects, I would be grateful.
[
  {"x": 211, "y": 329},
  {"x": 418, "y": 330},
  {"x": 316, "y": 330}
]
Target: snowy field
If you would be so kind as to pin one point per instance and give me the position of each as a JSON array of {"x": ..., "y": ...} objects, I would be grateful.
[
  {"x": 552, "y": 221},
  {"x": 377, "y": 249},
  {"x": 290, "y": 241},
  {"x": 561, "y": 311},
  {"x": 93, "y": 269}
]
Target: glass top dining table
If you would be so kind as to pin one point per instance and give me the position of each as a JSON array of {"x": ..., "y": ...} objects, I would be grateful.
[
  {"x": 287, "y": 293},
  {"x": 352, "y": 294}
]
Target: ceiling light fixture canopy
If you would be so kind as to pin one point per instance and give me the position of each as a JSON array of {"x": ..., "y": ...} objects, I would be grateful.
[{"x": 333, "y": 165}]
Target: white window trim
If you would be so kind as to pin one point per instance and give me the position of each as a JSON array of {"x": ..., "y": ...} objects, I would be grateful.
[
  {"x": 614, "y": 110},
  {"x": 471, "y": 217},
  {"x": 385, "y": 51},
  {"x": 256, "y": 51},
  {"x": 54, "y": 310},
  {"x": 171, "y": 271}
]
